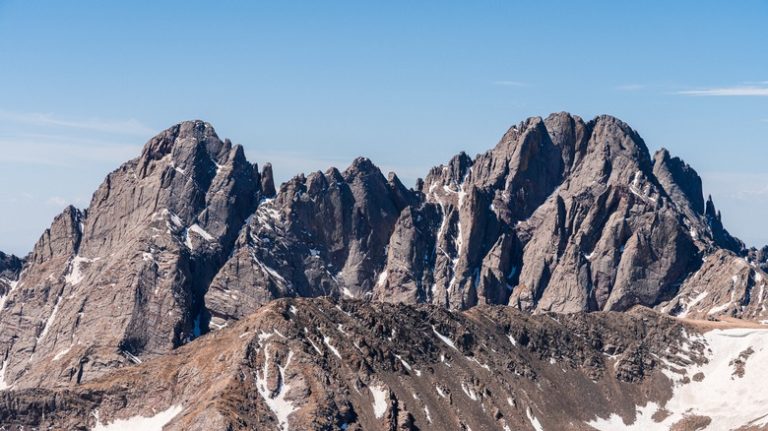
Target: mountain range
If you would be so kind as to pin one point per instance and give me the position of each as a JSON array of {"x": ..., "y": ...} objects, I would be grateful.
[{"x": 564, "y": 279}]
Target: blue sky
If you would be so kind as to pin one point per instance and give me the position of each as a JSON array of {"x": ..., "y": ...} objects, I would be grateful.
[{"x": 307, "y": 85}]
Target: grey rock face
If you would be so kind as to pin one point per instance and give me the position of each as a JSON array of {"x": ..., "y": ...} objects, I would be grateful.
[
  {"x": 125, "y": 278},
  {"x": 562, "y": 215},
  {"x": 325, "y": 234}
]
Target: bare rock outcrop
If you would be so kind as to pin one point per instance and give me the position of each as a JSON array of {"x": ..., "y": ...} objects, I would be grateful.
[
  {"x": 317, "y": 364},
  {"x": 126, "y": 277}
]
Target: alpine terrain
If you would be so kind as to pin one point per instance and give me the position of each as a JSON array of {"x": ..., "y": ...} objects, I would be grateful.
[{"x": 566, "y": 279}]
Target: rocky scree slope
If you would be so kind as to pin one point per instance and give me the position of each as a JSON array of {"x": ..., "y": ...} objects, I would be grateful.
[{"x": 318, "y": 364}]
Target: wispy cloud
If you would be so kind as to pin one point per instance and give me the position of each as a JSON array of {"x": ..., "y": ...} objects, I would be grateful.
[
  {"x": 737, "y": 185},
  {"x": 741, "y": 90},
  {"x": 510, "y": 83},
  {"x": 57, "y": 201},
  {"x": 124, "y": 127},
  {"x": 63, "y": 151}
]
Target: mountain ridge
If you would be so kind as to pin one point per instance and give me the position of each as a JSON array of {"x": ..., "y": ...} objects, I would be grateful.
[{"x": 190, "y": 238}]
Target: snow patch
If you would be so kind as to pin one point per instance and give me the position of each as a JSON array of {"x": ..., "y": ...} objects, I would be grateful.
[
  {"x": 534, "y": 422},
  {"x": 379, "y": 400},
  {"x": 275, "y": 400},
  {"x": 440, "y": 392},
  {"x": 153, "y": 423},
  {"x": 3, "y": 384},
  {"x": 693, "y": 302},
  {"x": 729, "y": 400},
  {"x": 327, "y": 341},
  {"x": 382, "y": 278},
  {"x": 75, "y": 274},
  {"x": 50, "y": 320},
  {"x": 314, "y": 346},
  {"x": 444, "y": 339},
  {"x": 469, "y": 391},
  {"x": 61, "y": 354},
  {"x": 512, "y": 339},
  {"x": 405, "y": 364},
  {"x": 199, "y": 231}
]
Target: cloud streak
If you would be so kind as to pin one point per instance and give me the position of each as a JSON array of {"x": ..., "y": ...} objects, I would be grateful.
[
  {"x": 742, "y": 90},
  {"x": 124, "y": 127},
  {"x": 64, "y": 153}
]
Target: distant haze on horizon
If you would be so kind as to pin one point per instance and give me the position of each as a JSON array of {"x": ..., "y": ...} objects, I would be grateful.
[{"x": 309, "y": 85}]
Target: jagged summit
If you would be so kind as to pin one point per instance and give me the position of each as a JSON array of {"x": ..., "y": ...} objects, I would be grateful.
[
  {"x": 172, "y": 283},
  {"x": 561, "y": 215}
]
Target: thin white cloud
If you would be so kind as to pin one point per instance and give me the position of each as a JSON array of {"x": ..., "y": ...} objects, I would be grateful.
[
  {"x": 124, "y": 127},
  {"x": 63, "y": 152},
  {"x": 742, "y": 90},
  {"x": 738, "y": 185},
  {"x": 510, "y": 83},
  {"x": 57, "y": 201}
]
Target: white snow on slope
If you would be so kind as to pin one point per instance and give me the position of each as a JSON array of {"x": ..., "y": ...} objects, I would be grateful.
[
  {"x": 469, "y": 391},
  {"x": 382, "y": 278},
  {"x": 534, "y": 422},
  {"x": 314, "y": 346},
  {"x": 61, "y": 354},
  {"x": 154, "y": 423},
  {"x": 3, "y": 384},
  {"x": 444, "y": 339},
  {"x": 75, "y": 274},
  {"x": 512, "y": 339},
  {"x": 4, "y": 298},
  {"x": 405, "y": 364},
  {"x": 198, "y": 230},
  {"x": 694, "y": 301},
  {"x": 729, "y": 400},
  {"x": 50, "y": 320},
  {"x": 327, "y": 341},
  {"x": 275, "y": 400},
  {"x": 379, "y": 400}
]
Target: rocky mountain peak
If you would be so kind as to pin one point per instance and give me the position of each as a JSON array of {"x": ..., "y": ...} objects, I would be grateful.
[
  {"x": 267, "y": 181},
  {"x": 10, "y": 269},
  {"x": 10, "y": 266},
  {"x": 189, "y": 237},
  {"x": 681, "y": 181},
  {"x": 62, "y": 239},
  {"x": 361, "y": 167}
]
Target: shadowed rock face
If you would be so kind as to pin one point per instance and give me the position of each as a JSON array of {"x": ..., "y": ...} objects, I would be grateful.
[
  {"x": 561, "y": 215},
  {"x": 10, "y": 268}
]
